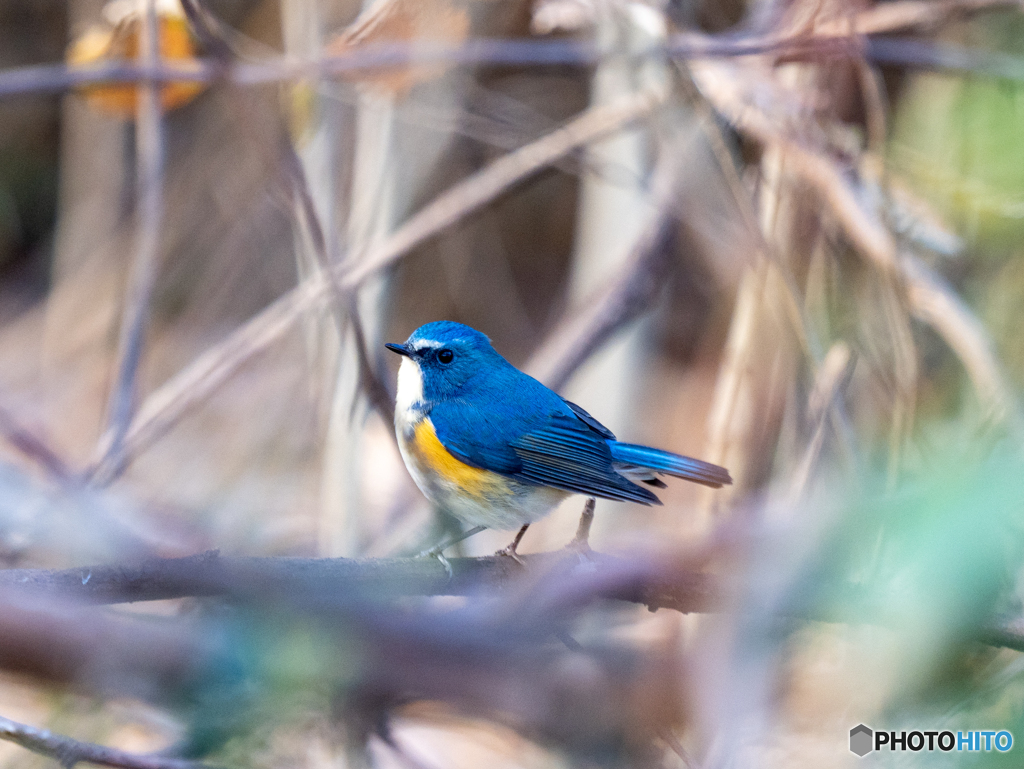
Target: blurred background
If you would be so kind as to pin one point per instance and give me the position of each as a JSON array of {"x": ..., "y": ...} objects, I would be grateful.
[{"x": 781, "y": 236}]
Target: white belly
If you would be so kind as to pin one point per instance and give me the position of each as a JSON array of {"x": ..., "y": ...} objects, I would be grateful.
[{"x": 505, "y": 504}]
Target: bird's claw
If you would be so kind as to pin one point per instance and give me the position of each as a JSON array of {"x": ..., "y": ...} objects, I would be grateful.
[
  {"x": 581, "y": 542},
  {"x": 510, "y": 552},
  {"x": 446, "y": 564},
  {"x": 580, "y": 546},
  {"x": 439, "y": 555}
]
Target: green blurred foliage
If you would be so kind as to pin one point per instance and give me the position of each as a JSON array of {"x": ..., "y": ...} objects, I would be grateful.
[
  {"x": 266, "y": 670},
  {"x": 958, "y": 141},
  {"x": 934, "y": 560},
  {"x": 1002, "y": 303}
]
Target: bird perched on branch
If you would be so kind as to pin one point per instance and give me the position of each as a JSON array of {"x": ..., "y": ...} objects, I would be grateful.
[{"x": 497, "y": 449}]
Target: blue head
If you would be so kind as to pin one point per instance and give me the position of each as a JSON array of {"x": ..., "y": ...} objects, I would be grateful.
[{"x": 450, "y": 359}]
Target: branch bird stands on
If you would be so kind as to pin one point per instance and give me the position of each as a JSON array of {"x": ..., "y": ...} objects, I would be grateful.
[{"x": 497, "y": 449}]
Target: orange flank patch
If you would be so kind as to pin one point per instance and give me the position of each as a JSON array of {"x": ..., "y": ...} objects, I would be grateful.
[{"x": 437, "y": 461}]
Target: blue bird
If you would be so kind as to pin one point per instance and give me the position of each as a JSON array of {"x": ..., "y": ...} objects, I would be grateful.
[{"x": 497, "y": 449}]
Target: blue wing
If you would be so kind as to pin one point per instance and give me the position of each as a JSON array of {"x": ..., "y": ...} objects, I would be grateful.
[
  {"x": 592, "y": 423},
  {"x": 529, "y": 433},
  {"x": 568, "y": 454}
]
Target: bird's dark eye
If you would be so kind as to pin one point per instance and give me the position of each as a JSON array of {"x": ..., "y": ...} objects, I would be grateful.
[{"x": 445, "y": 356}]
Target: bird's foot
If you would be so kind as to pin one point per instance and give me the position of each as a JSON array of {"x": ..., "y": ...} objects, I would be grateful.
[
  {"x": 436, "y": 552},
  {"x": 510, "y": 551},
  {"x": 580, "y": 544},
  {"x": 580, "y": 547}
]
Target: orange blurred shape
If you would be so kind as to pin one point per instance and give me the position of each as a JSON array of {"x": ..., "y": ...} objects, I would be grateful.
[
  {"x": 118, "y": 40},
  {"x": 402, "y": 21}
]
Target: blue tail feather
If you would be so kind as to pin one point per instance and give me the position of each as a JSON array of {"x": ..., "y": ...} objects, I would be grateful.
[{"x": 659, "y": 461}]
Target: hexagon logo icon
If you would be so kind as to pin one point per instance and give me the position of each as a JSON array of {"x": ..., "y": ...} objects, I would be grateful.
[{"x": 861, "y": 738}]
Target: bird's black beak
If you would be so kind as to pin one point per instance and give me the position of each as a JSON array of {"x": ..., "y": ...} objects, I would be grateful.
[{"x": 401, "y": 349}]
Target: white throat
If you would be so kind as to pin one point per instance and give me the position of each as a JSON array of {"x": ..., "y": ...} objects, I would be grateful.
[{"x": 410, "y": 392}]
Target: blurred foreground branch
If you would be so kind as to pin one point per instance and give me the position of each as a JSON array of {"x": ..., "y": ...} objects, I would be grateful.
[
  {"x": 833, "y": 37},
  {"x": 31, "y": 446},
  {"x": 553, "y": 584},
  {"x": 935, "y": 302},
  {"x": 69, "y": 752},
  {"x": 501, "y": 660},
  {"x": 211, "y": 574},
  {"x": 149, "y": 213}
]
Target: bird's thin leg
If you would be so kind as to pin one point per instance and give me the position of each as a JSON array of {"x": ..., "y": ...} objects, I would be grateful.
[
  {"x": 434, "y": 551},
  {"x": 581, "y": 542},
  {"x": 438, "y": 551},
  {"x": 510, "y": 551}
]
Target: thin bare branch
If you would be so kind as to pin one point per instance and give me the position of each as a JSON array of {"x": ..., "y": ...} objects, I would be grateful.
[
  {"x": 796, "y": 311},
  {"x": 830, "y": 38},
  {"x": 377, "y": 390},
  {"x": 677, "y": 747},
  {"x": 149, "y": 158},
  {"x": 936, "y": 304},
  {"x": 905, "y": 14},
  {"x": 500, "y": 176},
  {"x": 208, "y": 29},
  {"x": 69, "y": 752},
  {"x": 865, "y": 230},
  {"x": 626, "y": 295},
  {"x": 165, "y": 406},
  {"x": 922, "y": 54},
  {"x": 294, "y": 579},
  {"x": 32, "y": 446},
  {"x": 729, "y": 385},
  {"x": 555, "y": 583},
  {"x": 829, "y": 385},
  {"x": 930, "y": 299}
]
